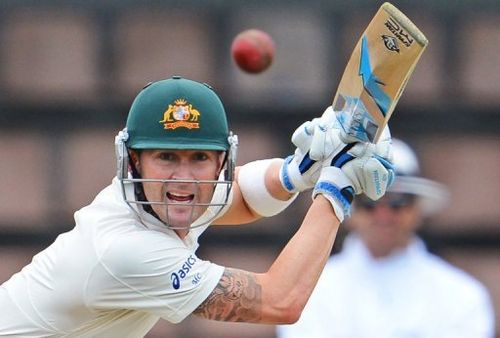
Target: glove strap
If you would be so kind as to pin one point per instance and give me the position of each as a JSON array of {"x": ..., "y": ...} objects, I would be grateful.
[
  {"x": 291, "y": 173},
  {"x": 285, "y": 179},
  {"x": 336, "y": 187}
]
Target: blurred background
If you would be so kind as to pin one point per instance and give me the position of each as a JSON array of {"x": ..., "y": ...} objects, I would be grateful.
[{"x": 70, "y": 69}]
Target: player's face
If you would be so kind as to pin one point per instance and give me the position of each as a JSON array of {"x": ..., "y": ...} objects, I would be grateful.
[
  {"x": 388, "y": 224},
  {"x": 181, "y": 197}
]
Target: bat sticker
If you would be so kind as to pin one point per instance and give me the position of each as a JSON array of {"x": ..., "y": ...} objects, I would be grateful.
[{"x": 371, "y": 82}]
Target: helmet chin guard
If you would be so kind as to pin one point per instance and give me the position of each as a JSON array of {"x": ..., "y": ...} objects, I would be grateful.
[{"x": 133, "y": 195}]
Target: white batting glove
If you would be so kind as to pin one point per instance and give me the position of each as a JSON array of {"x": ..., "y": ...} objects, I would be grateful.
[
  {"x": 325, "y": 138},
  {"x": 370, "y": 169},
  {"x": 369, "y": 173},
  {"x": 357, "y": 168},
  {"x": 316, "y": 141},
  {"x": 337, "y": 188}
]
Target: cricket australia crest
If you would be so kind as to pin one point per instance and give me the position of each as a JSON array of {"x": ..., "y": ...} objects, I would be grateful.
[{"x": 181, "y": 114}]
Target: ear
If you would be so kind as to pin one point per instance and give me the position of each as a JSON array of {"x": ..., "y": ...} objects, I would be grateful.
[
  {"x": 222, "y": 159},
  {"x": 135, "y": 159}
]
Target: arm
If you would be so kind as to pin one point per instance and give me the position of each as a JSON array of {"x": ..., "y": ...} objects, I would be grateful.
[
  {"x": 265, "y": 188},
  {"x": 316, "y": 319},
  {"x": 279, "y": 295}
]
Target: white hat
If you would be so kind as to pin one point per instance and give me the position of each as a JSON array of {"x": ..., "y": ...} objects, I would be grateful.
[{"x": 433, "y": 196}]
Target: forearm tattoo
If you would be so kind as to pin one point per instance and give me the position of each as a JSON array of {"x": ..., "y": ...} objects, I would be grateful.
[{"x": 237, "y": 298}]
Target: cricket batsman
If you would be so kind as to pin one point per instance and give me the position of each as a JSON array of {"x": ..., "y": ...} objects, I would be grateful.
[{"x": 131, "y": 258}]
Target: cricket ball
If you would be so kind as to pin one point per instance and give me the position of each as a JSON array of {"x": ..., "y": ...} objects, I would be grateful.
[{"x": 253, "y": 50}]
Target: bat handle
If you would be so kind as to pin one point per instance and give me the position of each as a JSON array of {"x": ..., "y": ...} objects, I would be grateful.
[{"x": 357, "y": 125}]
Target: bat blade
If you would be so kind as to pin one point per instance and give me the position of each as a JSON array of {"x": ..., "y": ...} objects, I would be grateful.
[{"x": 376, "y": 74}]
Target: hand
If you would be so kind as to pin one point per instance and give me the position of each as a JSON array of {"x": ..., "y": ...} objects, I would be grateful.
[
  {"x": 357, "y": 168},
  {"x": 316, "y": 141},
  {"x": 371, "y": 171}
]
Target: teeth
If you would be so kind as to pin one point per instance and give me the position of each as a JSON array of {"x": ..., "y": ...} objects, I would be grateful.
[{"x": 179, "y": 195}]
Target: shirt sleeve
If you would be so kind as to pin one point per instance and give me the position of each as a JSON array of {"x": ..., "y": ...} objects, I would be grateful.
[{"x": 152, "y": 273}]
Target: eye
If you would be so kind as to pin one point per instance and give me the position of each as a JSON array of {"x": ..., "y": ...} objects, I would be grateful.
[
  {"x": 200, "y": 156},
  {"x": 166, "y": 156}
]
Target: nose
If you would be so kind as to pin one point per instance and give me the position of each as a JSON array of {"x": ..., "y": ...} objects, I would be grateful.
[
  {"x": 182, "y": 171},
  {"x": 382, "y": 211}
]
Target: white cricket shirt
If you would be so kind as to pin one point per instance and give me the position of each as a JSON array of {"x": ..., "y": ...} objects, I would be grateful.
[
  {"x": 407, "y": 295},
  {"x": 110, "y": 276}
]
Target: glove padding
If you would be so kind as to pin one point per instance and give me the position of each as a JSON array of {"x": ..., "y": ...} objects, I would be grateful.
[
  {"x": 316, "y": 141},
  {"x": 357, "y": 168},
  {"x": 299, "y": 172},
  {"x": 370, "y": 170}
]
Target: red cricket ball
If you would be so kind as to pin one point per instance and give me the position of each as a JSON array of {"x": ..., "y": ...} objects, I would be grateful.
[{"x": 253, "y": 50}]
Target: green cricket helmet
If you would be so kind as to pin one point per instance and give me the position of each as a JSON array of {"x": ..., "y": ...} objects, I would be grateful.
[{"x": 178, "y": 114}]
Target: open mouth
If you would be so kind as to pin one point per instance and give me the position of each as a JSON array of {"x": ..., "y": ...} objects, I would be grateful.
[{"x": 180, "y": 198}]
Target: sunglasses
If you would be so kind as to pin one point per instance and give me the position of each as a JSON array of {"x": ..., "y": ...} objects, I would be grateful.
[{"x": 392, "y": 201}]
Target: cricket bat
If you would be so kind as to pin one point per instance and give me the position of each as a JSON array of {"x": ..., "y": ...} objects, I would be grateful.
[{"x": 377, "y": 73}]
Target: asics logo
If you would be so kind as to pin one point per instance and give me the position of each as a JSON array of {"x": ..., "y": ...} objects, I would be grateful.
[{"x": 178, "y": 276}]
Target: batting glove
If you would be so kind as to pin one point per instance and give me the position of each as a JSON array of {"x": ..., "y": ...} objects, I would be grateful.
[
  {"x": 370, "y": 166},
  {"x": 315, "y": 142},
  {"x": 357, "y": 168}
]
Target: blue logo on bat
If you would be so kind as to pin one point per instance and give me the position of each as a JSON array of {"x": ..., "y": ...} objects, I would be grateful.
[{"x": 371, "y": 83}]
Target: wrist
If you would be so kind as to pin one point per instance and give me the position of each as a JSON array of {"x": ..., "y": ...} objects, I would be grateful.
[{"x": 327, "y": 206}]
